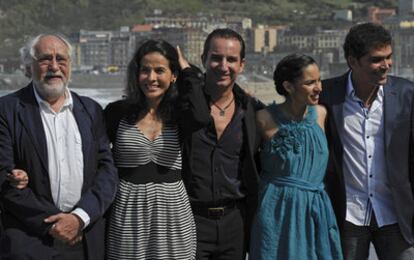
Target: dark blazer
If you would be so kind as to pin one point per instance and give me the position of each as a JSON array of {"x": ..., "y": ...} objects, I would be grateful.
[
  {"x": 23, "y": 146},
  {"x": 399, "y": 147}
]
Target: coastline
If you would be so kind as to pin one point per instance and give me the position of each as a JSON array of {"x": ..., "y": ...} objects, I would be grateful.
[
  {"x": 18, "y": 80},
  {"x": 262, "y": 90}
]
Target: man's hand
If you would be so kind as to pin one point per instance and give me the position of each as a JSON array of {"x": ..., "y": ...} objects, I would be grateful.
[
  {"x": 183, "y": 62},
  {"x": 66, "y": 227},
  {"x": 76, "y": 240},
  {"x": 18, "y": 178}
]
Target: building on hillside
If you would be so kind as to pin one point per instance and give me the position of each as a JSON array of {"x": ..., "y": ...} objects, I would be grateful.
[
  {"x": 200, "y": 22},
  {"x": 194, "y": 46},
  {"x": 263, "y": 38},
  {"x": 296, "y": 39},
  {"x": 95, "y": 48},
  {"x": 378, "y": 15},
  {"x": 121, "y": 48},
  {"x": 142, "y": 28},
  {"x": 190, "y": 32},
  {"x": 330, "y": 39},
  {"x": 402, "y": 30},
  {"x": 405, "y": 7},
  {"x": 342, "y": 15}
]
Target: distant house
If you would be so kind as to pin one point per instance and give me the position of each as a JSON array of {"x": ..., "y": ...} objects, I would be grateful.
[
  {"x": 378, "y": 15},
  {"x": 142, "y": 28},
  {"x": 342, "y": 15},
  {"x": 405, "y": 7}
]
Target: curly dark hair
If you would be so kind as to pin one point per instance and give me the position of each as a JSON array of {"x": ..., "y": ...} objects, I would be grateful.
[
  {"x": 364, "y": 37},
  {"x": 134, "y": 94},
  {"x": 290, "y": 69}
]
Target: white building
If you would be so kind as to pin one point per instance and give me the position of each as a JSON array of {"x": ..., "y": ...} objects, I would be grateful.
[{"x": 405, "y": 7}]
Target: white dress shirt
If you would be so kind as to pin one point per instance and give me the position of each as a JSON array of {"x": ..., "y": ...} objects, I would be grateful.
[
  {"x": 366, "y": 183},
  {"x": 64, "y": 154}
]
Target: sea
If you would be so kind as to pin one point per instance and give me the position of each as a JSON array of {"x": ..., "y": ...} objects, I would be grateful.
[{"x": 103, "y": 95}]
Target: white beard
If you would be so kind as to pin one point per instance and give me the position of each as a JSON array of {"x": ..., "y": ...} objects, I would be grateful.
[{"x": 49, "y": 91}]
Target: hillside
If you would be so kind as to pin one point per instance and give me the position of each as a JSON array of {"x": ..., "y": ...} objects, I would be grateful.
[{"x": 22, "y": 18}]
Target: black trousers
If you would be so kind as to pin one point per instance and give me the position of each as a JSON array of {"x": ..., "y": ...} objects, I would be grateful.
[
  {"x": 67, "y": 252},
  {"x": 388, "y": 242},
  {"x": 222, "y": 238}
]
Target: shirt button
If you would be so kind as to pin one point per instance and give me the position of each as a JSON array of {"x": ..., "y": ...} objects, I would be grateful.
[
  {"x": 370, "y": 175},
  {"x": 370, "y": 194},
  {"x": 367, "y": 136},
  {"x": 369, "y": 156}
]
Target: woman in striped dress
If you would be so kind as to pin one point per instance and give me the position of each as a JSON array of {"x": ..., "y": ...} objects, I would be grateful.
[{"x": 151, "y": 216}]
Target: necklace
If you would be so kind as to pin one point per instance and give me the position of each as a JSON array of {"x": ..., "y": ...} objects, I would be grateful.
[{"x": 223, "y": 110}]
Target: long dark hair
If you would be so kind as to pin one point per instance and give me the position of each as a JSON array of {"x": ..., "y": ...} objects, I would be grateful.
[{"x": 134, "y": 94}]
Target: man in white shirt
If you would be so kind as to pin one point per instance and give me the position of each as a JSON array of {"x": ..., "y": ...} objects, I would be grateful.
[
  {"x": 58, "y": 138},
  {"x": 371, "y": 137}
]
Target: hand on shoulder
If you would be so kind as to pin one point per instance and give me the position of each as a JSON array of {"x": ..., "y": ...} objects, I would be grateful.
[{"x": 265, "y": 123}]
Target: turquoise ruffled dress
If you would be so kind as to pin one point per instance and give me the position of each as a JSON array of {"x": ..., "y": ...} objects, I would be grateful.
[{"x": 295, "y": 219}]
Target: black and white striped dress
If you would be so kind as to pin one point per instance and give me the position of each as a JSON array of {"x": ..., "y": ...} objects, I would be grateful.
[{"x": 151, "y": 216}]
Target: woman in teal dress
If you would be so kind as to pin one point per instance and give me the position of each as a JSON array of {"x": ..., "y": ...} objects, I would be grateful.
[{"x": 294, "y": 219}]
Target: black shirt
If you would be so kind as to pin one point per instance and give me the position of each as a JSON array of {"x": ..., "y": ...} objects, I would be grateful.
[{"x": 216, "y": 164}]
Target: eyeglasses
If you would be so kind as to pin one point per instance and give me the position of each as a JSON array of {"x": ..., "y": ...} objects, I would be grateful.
[{"x": 46, "y": 60}]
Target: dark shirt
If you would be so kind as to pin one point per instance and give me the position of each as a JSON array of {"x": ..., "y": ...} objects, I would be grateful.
[{"x": 216, "y": 164}]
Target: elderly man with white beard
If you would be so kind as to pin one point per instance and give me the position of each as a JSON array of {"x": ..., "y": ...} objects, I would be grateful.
[{"x": 58, "y": 139}]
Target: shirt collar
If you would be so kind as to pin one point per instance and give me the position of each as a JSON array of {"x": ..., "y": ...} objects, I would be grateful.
[
  {"x": 68, "y": 99},
  {"x": 350, "y": 90}
]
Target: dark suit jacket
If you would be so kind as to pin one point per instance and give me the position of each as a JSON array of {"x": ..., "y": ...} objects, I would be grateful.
[
  {"x": 23, "y": 146},
  {"x": 399, "y": 147}
]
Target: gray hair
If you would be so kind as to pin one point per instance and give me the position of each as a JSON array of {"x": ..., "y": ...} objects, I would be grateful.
[{"x": 27, "y": 52}]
